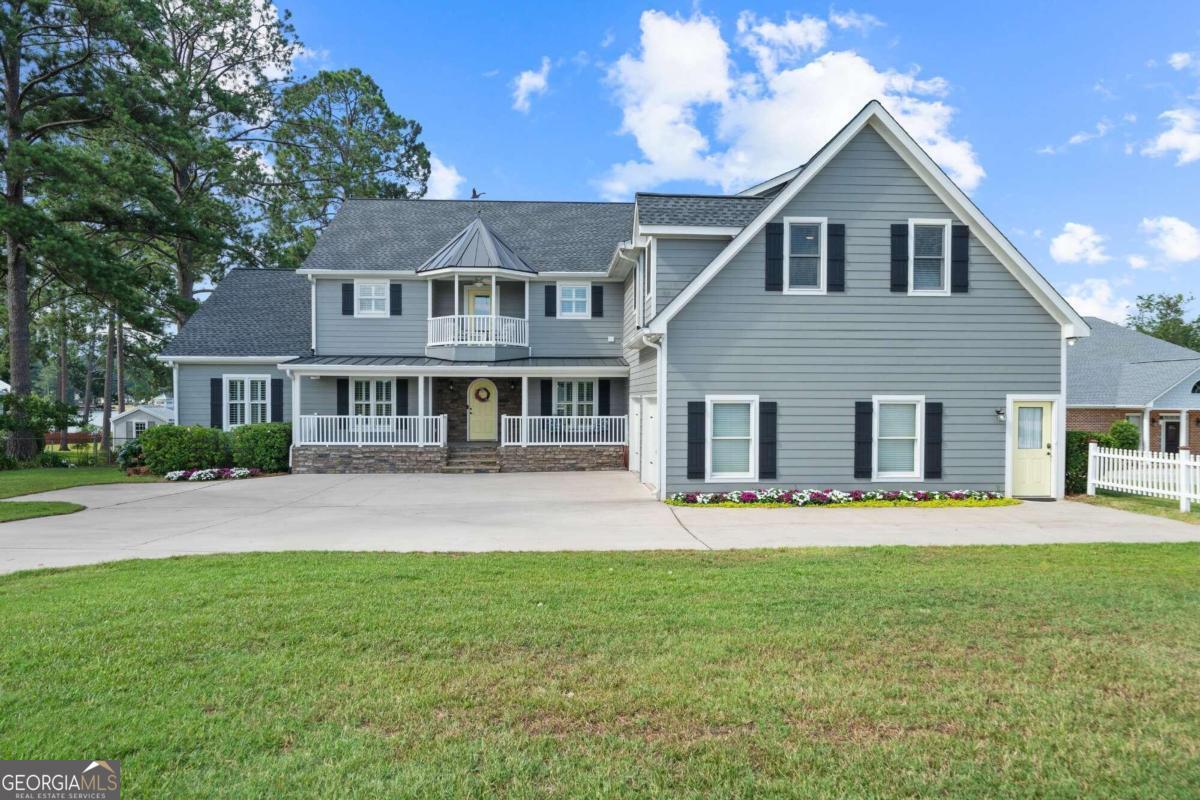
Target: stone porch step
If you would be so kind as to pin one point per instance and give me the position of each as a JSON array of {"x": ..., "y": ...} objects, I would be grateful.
[{"x": 472, "y": 457}]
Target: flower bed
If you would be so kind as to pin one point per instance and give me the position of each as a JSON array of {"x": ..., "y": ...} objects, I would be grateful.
[
  {"x": 788, "y": 498},
  {"x": 218, "y": 474}
]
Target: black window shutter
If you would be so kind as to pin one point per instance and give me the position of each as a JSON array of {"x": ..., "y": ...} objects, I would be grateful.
[
  {"x": 551, "y": 300},
  {"x": 863, "y": 414},
  {"x": 277, "y": 399},
  {"x": 396, "y": 300},
  {"x": 597, "y": 299},
  {"x": 774, "y": 273},
  {"x": 547, "y": 398},
  {"x": 933, "y": 440},
  {"x": 347, "y": 299},
  {"x": 835, "y": 279},
  {"x": 960, "y": 241},
  {"x": 767, "y": 440},
  {"x": 343, "y": 396},
  {"x": 216, "y": 403},
  {"x": 900, "y": 257},
  {"x": 695, "y": 439},
  {"x": 604, "y": 401},
  {"x": 402, "y": 397}
]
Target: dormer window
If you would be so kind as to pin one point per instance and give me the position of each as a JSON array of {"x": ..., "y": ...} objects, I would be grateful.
[
  {"x": 929, "y": 256},
  {"x": 1196, "y": 388},
  {"x": 370, "y": 298}
]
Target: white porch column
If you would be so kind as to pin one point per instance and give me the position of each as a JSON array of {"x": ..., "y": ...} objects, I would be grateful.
[
  {"x": 525, "y": 399},
  {"x": 1183, "y": 429},
  {"x": 456, "y": 294},
  {"x": 421, "y": 410},
  {"x": 527, "y": 304},
  {"x": 495, "y": 304},
  {"x": 429, "y": 297},
  {"x": 295, "y": 405},
  {"x": 1146, "y": 429}
]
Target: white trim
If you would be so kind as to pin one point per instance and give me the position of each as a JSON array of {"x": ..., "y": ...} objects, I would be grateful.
[
  {"x": 730, "y": 399},
  {"x": 372, "y": 402},
  {"x": 175, "y": 393},
  {"x": 499, "y": 370},
  {"x": 409, "y": 274},
  {"x": 770, "y": 183},
  {"x": 823, "y": 256},
  {"x": 312, "y": 313},
  {"x": 576, "y": 382},
  {"x": 650, "y": 288},
  {"x": 558, "y": 298},
  {"x": 351, "y": 274},
  {"x": 225, "y": 379},
  {"x": 1073, "y": 325},
  {"x": 158, "y": 413},
  {"x": 945, "y": 225},
  {"x": 224, "y": 359},
  {"x": 1057, "y": 444},
  {"x": 705, "y": 231},
  {"x": 387, "y": 299},
  {"x": 918, "y": 473}
]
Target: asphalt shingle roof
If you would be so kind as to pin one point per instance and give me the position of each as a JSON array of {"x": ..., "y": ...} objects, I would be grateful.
[
  {"x": 698, "y": 209},
  {"x": 426, "y": 361},
  {"x": 404, "y": 234},
  {"x": 252, "y": 312},
  {"x": 1118, "y": 366}
]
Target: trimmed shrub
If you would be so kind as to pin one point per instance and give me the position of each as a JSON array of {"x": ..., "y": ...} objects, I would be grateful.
[
  {"x": 169, "y": 448},
  {"x": 7, "y": 462},
  {"x": 131, "y": 455},
  {"x": 263, "y": 446},
  {"x": 1121, "y": 434},
  {"x": 1125, "y": 435}
]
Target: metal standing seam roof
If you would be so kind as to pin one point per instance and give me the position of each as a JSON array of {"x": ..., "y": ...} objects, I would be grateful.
[
  {"x": 425, "y": 361},
  {"x": 708, "y": 210},
  {"x": 251, "y": 312},
  {"x": 1118, "y": 366},
  {"x": 476, "y": 247},
  {"x": 371, "y": 234}
]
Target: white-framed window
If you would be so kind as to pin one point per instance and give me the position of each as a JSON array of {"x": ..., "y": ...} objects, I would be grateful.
[
  {"x": 138, "y": 429},
  {"x": 929, "y": 256},
  {"x": 371, "y": 298},
  {"x": 247, "y": 400},
  {"x": 731, "y": 438},
  {"x": 804, "y": 246},
  {"x": 373, "y": 398},
  {"x": 898, "y": 434},
  {"x": 574, "y": 300},
  {"x": 575, "y": 398}
]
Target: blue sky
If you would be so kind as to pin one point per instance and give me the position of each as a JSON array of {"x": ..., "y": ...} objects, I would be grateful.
[{"x": 1074, "y": 126}]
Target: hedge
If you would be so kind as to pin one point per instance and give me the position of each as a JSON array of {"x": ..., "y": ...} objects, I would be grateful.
[
  {"x": 263, "y": 446},
  {"x": 168, "y": 448},
  {"x": 1122, "y": 434}
]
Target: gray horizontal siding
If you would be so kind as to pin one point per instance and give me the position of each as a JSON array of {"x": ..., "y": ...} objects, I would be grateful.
[
  {"x": 554, "y": 337},
  {"x": 319, "y": 395},
  {"x": 194, "y": 395},
  {"x": 385, "y": 336},
  {"x": 677, "y": 261},
  {"x": 817, "y": 355}
]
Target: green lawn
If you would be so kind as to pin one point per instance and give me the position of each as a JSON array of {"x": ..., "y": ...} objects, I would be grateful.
[
  {"x": 1047, "y": 671},
  {"x": 1155, "y": 506},
  {"x": 29, "y": 481},
  {"x": 11, "y": 511}
]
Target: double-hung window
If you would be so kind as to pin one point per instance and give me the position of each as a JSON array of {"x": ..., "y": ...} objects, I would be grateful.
[
  {"x": 138, "y": 429},
  {"x": 804, "y": 243},
  {"x": 731, "y": 451},
  {"x": 247, "y": 399},
  {"x": 898, "y": 433},
  {"x": 574, "y": 300},
  {"x": 370, "y": 298},
  {"x": 929, "y": 256},
  {"x": 575, "y": 399},
  {"x": 373, "y": 398}
]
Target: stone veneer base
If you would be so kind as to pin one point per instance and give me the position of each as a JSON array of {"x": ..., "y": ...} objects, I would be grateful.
[
  {"x": 566, "y": 458},
  {"x": 350, "y": 459}
]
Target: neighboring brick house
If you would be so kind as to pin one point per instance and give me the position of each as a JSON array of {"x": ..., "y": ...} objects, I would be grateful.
[{"x": 1119, "y": 373}]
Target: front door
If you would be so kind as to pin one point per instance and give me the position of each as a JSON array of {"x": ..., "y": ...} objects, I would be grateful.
[
  {"x": 481, "y": 411},
  {"x": 479, "y": 301},
  {"x": 1171, "y": 436},
  {"x": 1033, "y": 460}
]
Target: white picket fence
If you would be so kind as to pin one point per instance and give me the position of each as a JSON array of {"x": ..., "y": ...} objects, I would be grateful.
[{"x": 1175, "y": 476}]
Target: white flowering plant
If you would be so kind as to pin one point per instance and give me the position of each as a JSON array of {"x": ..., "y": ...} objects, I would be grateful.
[
  {"x": 218, "y": 474},
  {"x": 832, "y": 497}
]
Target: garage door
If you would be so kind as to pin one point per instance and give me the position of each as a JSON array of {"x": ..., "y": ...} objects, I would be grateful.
[
  {"x": 635, "y": 436},
  {"x": 649, "y": 450}
]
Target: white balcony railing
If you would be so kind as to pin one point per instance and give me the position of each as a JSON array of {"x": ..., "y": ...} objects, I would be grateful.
[
  {"x": 336, "y": 429},
  {"x": 563, "y": 430},
  {"x": 478, "y": 329}
]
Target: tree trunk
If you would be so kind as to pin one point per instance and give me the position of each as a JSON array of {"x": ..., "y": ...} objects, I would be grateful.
[
  {"x": 106, "y": 417},
  {"x": 20, "y": 443},
  {"x": 89, "y": 375},
  {"x": 184, "y": 279},
  {"x": 63, "y": 442},
  {"x": 120, "y": 366}
]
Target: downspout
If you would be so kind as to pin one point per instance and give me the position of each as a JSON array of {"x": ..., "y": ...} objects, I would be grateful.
[
  {"x": 312, "y": 310},
  {"x": 659, "y": 342}
]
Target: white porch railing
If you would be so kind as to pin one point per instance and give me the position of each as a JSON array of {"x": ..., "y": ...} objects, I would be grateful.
[
  {"x": 478, "y": 329},
  {"x": 1175, "y": 476},
  {"x": 563, "y": 430},
  {"x": 337, "y": 429}
]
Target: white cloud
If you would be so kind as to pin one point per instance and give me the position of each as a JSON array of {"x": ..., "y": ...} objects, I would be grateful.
[
  {"x": 854, "y": 20},
  {"x": 530, "y": 83},
  {"x": 1137, "y": 262},
  {"x": 1175, "y": 239},
  {"x": 1182, "y": 137},
  {"x": 1078, "y": 243},
  {"x": 1102, "y": 128},
  {"x": 1180, "y": 60},
  {"x": 608, "y": 39},
  {"x": 444, "y": 180},
  {"x": 696, "y": 117},
  {"x": 1094, "y": 297}
]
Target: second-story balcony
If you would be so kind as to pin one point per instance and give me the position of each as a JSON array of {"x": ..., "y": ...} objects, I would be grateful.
[{"x": 478, "y": 329}]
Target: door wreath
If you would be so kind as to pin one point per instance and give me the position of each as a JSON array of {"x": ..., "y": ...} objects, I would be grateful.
[{"x": 482, "y": 394}]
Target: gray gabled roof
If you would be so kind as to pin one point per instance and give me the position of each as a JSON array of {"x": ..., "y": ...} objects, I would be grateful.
[
  {"x": 404, "y": 234},
  {"x": 252, "y": 312},
  {"x": 427, "y": 361},
  {"x": 476, "y": 247},
  {"x": 710, "y": 210},
  {"x": 1118, "y": 366}
]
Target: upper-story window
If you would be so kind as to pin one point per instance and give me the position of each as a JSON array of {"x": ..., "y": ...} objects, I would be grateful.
[
  {"x": 1196, "y": 388},
  {"x": 370, "y": 298},
  {"x": 929, "y": 256},
  {"x": 574, "y": 300},
  {"x": 804, "y": 242}
]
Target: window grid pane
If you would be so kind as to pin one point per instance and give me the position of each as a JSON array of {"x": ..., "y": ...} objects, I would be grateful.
[
  {"x": 1029, "y": 428},
  {"x": 897, "y": 455},
  {"x": 731, "y": 419},
  {"x": 730, "y": 456}
]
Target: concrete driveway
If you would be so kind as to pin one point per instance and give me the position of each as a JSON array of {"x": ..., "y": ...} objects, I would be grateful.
[{"x": 553, "y": 511}]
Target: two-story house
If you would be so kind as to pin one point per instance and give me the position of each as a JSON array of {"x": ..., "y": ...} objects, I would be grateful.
[{"x": 853, "y": 323}]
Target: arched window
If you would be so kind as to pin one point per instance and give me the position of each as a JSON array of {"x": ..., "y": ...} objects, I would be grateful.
[{"x": 1196, "y": 388}]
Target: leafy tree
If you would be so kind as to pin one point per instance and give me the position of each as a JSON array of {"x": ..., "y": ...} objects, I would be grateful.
[
  {"x": 336, "y": 138},
  {"x": 1165, "y": 316}
]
